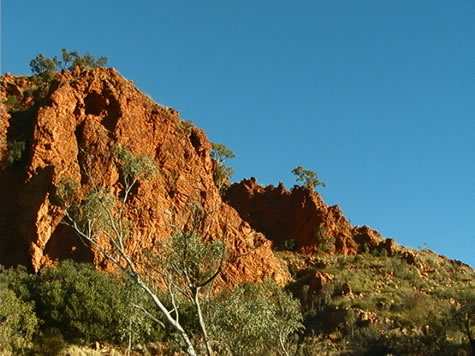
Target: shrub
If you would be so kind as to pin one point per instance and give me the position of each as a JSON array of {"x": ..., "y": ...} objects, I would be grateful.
[
  {"x": 325, "y": 242},
  {"x": 16, "y": 149},
  {"x": 254, "y": 319},
  {"x": 13, "y": 102},
  {"x": 134, "y": 167},
  {"x": 289, "y": 245},
  {"x": 85, "y": 304},
  {"x": 19, "y": 281},
  {"x": 308, "y": 177},
  {"x": 73, "y": 58},
  {"x": 18, "y": 322},
  {"x": 49, "y": 342},
  {"x": 222, "y": 173},
  {"x": 371, "y": 340},
  {"x": 42, "y": 65}
]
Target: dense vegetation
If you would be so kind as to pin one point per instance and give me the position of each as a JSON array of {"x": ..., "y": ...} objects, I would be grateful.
[
  {"x": 72, "y": 303},
  {"x": 370, "y": 304}
]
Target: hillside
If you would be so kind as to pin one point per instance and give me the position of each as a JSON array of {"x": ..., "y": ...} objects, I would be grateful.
[
  {"x": 72, "y": 128},
  {"x": 360, "y": 293}
]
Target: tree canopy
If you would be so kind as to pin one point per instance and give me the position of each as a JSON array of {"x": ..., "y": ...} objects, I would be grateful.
[{"x": 69, "y": 59}]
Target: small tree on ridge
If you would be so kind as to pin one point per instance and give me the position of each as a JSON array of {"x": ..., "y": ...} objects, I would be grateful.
[{"x": 308, "y": 177}]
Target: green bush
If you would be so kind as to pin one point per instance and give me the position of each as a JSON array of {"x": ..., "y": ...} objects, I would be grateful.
[
  {"x": 49, "y": 342},
  {"x": 134, "y": 167},
  {"x": 19, "y": 281},
  {"x": 18, "y": 323},
  {"x": 255, "y": 319},
  {"x": 289, "y": 245},
  {"x": 43, "y": 65},
  {"x": 308, "y": 177},
  {"x": 16, "y": 150},
  {"x": 13, "y": 102},
  {"x": 222, "y": 173},
  {"x": 85, "y": 304},
  {"x": 325, "y": 242}
]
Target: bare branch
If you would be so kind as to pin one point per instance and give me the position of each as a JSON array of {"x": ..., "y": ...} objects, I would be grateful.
[{"x": 147, "y": 313}]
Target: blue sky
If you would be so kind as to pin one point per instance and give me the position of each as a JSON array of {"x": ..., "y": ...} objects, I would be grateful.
[{"x": 376, "y": 96}]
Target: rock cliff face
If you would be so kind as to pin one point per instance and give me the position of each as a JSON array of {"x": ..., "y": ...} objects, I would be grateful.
[
  {"x": 83, "y": 115},
  {"x": 301, "y": 215},
  {"x": 71, "y": 126}
]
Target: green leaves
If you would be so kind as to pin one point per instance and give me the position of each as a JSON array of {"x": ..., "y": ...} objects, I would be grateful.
[
  {"x": 308, "y": 177},
  {"x": 66, "y": 191},
  {"x": 254, "y": 318},
  {"x": 134, "y": 167},
  {"x": 222, "y": 173},
  {"x": 187, "y": 256},
  {"x": 98, "y": 204},
  {"x": 220, "y": 153},
  {"x": 86, "y": 61},
  {"x": 18, "y": 322},
  {"x": 84, "y": 304},
  {"x": 16, "y": 150},
  {"x": 41, "y": 64}
]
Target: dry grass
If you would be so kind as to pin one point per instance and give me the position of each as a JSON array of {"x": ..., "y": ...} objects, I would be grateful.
[{"x": 74, "y": 350}]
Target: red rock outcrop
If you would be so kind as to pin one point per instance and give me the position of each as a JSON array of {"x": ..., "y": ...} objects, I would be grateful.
[
  {"x": 301, "y": 215},
  {"x": 73, "y": 124},
  {"x": 317, "y": 282},
  {"x": 84, "y": 114}
]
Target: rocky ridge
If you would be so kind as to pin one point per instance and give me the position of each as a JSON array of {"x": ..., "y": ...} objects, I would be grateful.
[
  {"x": 302, "y": 216},
  {"x": 85, "y": 113}
]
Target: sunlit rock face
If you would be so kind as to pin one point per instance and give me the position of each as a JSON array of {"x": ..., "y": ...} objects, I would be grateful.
[{"x": 71, "y": 133}]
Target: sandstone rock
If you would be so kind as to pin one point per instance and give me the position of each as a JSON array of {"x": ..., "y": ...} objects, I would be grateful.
[
  {"x": 83, "y": 116},
  {"x": 318, "y": 281},
  {"x": 389, "y": 245},
  {"x": 409, "y": 257},
  {"x": 299, "y": 214},
  {"x": 364, "y": 236}
]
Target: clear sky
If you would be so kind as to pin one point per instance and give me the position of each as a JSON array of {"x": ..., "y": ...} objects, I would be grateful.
[{"x": 376, "y": 96}]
